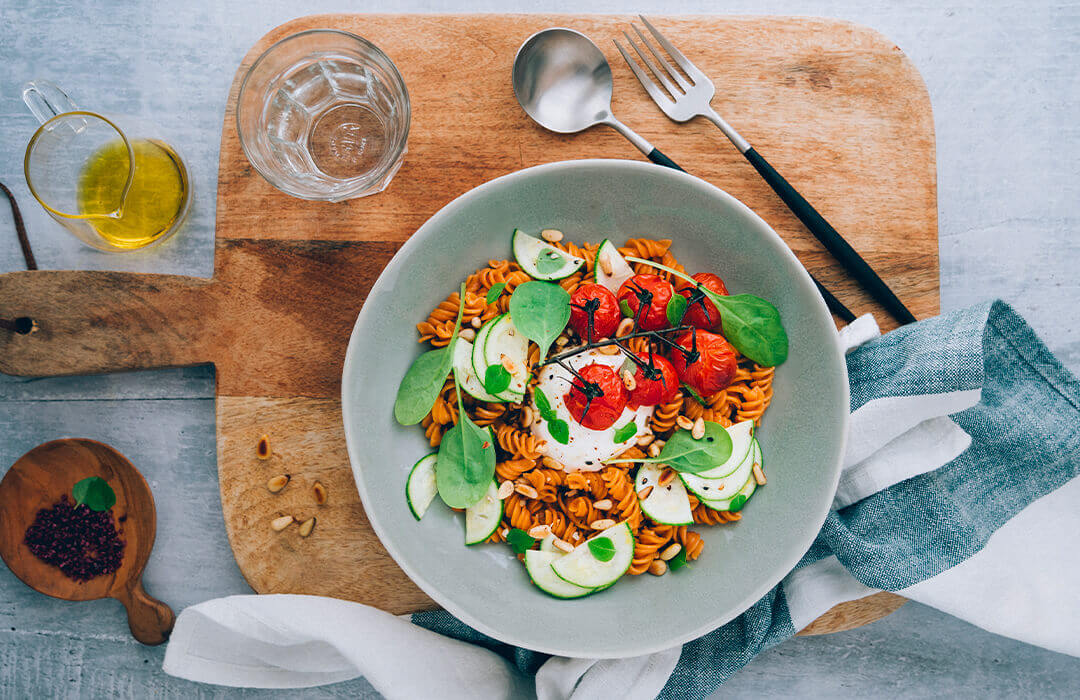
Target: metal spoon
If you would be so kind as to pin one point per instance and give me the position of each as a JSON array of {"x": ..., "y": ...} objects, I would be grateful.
[{"x": 562, "y": 80}]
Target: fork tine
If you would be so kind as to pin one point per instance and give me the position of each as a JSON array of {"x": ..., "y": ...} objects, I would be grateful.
[
  {"x": 658, "y": 95},
  {"x": 684, "y": 63},
  {"x": 658, "y": 72},
  {"x": 661, "y": 60}
]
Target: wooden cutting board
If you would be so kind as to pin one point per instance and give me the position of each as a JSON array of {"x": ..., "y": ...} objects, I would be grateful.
[{"x": 837, "y": 108}]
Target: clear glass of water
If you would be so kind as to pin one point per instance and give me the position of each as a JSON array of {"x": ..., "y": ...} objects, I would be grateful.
[{"x": 324, "y": 115}]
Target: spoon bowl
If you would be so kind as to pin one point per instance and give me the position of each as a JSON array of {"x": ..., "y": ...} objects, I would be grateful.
[{"x": 37, "y": 480}]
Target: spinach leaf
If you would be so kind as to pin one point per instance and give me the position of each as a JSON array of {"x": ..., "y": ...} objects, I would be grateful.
[
  {"x": 685, "y": 454},
  {"x": 495, "y": 292},
  {"x": 737, "y": 503},
  {"x": 421, "y": 384},
  {"x": 496, "y": 379},
  {"x": 626, "y": 432},
  {"x": 602, "y": 548},
  {"x": 676, "y": 308},
  {"x": 95, "y": 493},
  {"x": 678, "y": 561},
  {"x": 559, "y": 430},
  {"x": 750, "y": 323},
  {"x": 466, "y": 462},
  {"x": 520, "y": 541},
  {"x": 540, "y": 311}
]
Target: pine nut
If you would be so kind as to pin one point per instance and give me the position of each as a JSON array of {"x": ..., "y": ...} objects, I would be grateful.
[
  {"x": 628, "y": 381},
  {"x": 645, "y": 440},
  {"x": 644, "y": 493},
  {"x": 609, "y": 349},
  {"x": 476, "y": 322},
  {"x": 563, "y": 545},
  {"x": 526, "y": 417},
  {"x": 467, "y": 334},
  {"x": 605, "y": 504},
  {"x": 684, "y": 423},
  {"x": 526, "y": 490},
  {"x": 602, "y": 524},
  {"x": 320, "y": 492},
  {"x": 605, "y": 264},
  {"x": 658, "y": 567},
  {"x": 306, "y": 527},
  {"x": 561, "y": 341},
  {"x": 276, "y": 483},
  {"x": 279, "y": 524},
  {"x": 698, "y": 430},
  {"x": 551, "y": 235},
  {"x": 577, "y": 535},
  {"x": 539, "y": 531},
  {"x": 262, "y": 450},
  {"x": 625, "y": 326},
  {"x": 666, "y": 477},
  {"x": 507, "y": 363},
  {"x": 552, "y": 464},
  {"x": 505, "y": 489},
  {"x": 670, "y": 552},
  {"x": 571, "y": 493},
  {"x": 759, "y": 475},
  {"x": 654, "y": 449}
]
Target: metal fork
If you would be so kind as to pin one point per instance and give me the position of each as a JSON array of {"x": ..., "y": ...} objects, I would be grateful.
[{"x": 683, "y": 97}]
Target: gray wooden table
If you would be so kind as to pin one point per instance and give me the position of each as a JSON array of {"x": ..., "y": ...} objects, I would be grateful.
[{"x": 1005, "y": 88}]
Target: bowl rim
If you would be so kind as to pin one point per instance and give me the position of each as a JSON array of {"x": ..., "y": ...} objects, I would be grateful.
[{"x": 708, "y": 625}]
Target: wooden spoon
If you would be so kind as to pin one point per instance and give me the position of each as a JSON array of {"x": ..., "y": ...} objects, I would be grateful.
[{"x": 37, "y": 480}]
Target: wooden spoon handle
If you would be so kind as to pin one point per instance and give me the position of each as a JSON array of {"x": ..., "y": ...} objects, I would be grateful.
[
  {"x": 150, "y": 620},
  {"x": 89, "y": 322}
]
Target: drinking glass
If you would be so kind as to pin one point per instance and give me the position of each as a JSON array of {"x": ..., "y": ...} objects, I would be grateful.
[{"x": 324, "y": 115}]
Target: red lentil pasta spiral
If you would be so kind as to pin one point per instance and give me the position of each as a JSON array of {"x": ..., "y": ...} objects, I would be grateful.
[{"x": 569, "y": 503}]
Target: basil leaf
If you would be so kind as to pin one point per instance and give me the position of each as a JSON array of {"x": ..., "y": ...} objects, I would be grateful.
[
  {"x": 496, "y": 379},
  {"x": 626, "y": 432},
  {"x": 540, "y": 311},
  {"x": 95, "y": 493},
  {"x": 602, "y": 548},
  {"x": 676, "y": 309},
  {"x": 466, "y": 462},
  {"x": 495, "y": 292},
  {"x": 543, "y": 405},
  {"x": 685, "y": 454},
  {"x": 424, "y": 380},
  {"x": 624, "y": 306},
  {"x": 678, "y": 561},
  {"x": 696, "y": 396},
  {"x": 559, "y": 430},
  {"x": 751, "y": 324},
  {"x": 520, "y": 541},
  {"x": 737, "y": 503},
  {"x": 549, "y": 261}
]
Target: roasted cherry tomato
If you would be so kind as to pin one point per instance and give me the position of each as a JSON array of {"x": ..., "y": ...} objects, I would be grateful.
[
  {"x": 706, "y": 362},
  {"x": 599, "y": 402},
  {"x": 654, "y": 383},
  {"x": 701, "y": 312},
  {"x": 651, "y": 294},
  {"x": 597, "y": 302}
]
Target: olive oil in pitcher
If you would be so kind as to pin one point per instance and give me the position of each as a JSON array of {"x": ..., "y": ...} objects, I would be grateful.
[{"x": 156, "y": 198}]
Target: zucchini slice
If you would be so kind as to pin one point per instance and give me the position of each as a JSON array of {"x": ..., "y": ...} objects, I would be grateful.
[
  {"x": 420, "y": 489},
  {"x": 538, "y": 564},
  {"x": 745, "y": 492},
  {"x": 583, "y": 569},
  {"x": 504, "y": 340},
  {"x": 483, "y": 517},
  {"x": 609, "y": 256},
  {"x": 466, "y": 373},
  {"x": 668, "y": 505},
  {"x": 541, "y": 260}
]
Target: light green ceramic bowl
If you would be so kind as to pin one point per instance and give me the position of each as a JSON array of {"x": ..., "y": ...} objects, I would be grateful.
[{"x": 802, "y": 437}]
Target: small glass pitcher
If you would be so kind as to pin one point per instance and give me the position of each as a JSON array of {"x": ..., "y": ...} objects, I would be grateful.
[{"x": 116, "y": 189}]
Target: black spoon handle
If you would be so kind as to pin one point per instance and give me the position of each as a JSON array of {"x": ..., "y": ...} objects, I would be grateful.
[
  {"x": 832, "y": 240},
  {"x": 834, "y": 304}
]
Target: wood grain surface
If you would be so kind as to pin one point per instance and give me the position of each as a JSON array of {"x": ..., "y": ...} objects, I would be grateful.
[
  {"x": 835, "y": 107},
  {"x": 38, "y": 480}
]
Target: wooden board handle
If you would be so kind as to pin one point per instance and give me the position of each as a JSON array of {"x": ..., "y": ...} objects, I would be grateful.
[
  {"x": 149, "y": 619},
  {"x": 89, "y": 322}
]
